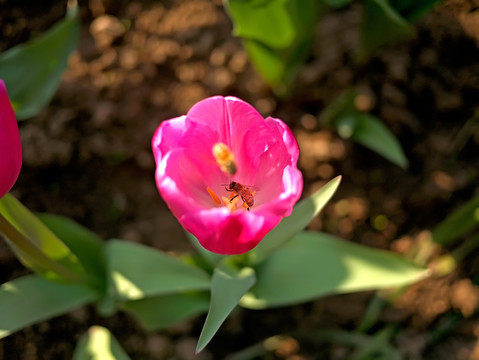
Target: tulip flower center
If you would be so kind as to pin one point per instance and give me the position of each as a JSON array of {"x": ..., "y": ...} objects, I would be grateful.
[{"x": 232, "y": 203}]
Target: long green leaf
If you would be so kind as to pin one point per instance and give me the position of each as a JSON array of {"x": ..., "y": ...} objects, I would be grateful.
[
  {"x": 31, "y": 299},
  {"x": 381, "y": 24},
  {"x": 86, "y": 245},
  {"x": 99, "y": 344},
  {"x": 372, "y": 133},
  {"x": 136, "y": 271},
  {"x": 228, "y": 285},
  {"x": 301, "y": 216},
  {"x": 41, "y": 241},
  {"x": 159, "y": 312},
  {"x": 315, "y": 264},
  {"x": 32, "y": 71},
  {"x": 458, "y": 224}
]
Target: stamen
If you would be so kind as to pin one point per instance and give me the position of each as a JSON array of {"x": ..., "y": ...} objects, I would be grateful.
[
  {"x": 230, "y": 204},
  {"x": 215, "y": 197}
]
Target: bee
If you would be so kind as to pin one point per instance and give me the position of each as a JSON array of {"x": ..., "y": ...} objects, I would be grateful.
[
  {"x": 224, "y": 158},
  {"x": 244, "y": 192}
]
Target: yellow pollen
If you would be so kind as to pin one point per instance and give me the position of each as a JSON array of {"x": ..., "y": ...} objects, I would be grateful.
[
  {"x": 215, "y": 198},
  {"x": 230, "y": 204}
]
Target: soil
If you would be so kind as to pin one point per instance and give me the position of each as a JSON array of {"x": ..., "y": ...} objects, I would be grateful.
[{"x": 87, "y": 156}]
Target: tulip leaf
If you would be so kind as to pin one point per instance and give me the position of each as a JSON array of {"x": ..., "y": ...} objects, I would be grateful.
[
  {"x": 228, "y": 285},
  {"x": 159, "y": 312},
  {"x": 458, "y": 224},
  {"x": 43, "y": 252},
  {"x": 31, "y": 299},
  {"x": 277, "y": 34},
  {"x": 380, "y": 25},
  {"x": 315, "y": 264},
  {"x": 413, "y": 9},
  {"x": 301, "y": 216},
  {"x": 363, "y": 128},
  {"x": 210, "y": 257},
  {"x": 32, "y": 71},
  {"x": 86, "y": 245},
  {"x": 136, "y": 271},
  {"x": 369, "y": 131},
  {"x": 99, "y": 344}
]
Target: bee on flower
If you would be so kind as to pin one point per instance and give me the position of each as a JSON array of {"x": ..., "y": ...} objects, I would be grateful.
[{"x": 209, "y": 164}]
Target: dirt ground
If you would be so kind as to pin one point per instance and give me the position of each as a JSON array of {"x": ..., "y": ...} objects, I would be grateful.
[{"x": 88, "y": 156}]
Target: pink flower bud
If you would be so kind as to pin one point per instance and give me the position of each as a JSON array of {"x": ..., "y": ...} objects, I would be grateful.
[
  {"x": 227, "y": 174},
  {"x": 10, "y": 146}
]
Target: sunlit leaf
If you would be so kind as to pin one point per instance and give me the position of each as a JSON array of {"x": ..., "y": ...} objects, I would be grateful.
[
  {"x": 136, "y": 271},
  {"x": 159, "y": 312},
  {"x": 86, "y": 245},
  {"x": 458, "y": 224},
  {"x": 31, "y": 299},
  {"x": 42, "y": 243},
  {"x": 99, "y": 344},
  {"x": 315, "y": 264},
  {"x": 381, "y": 24},
  {"x": 301, "y": 216},
  {"x": 32, "y": 71},
  {"x": 228, "y": 285}
]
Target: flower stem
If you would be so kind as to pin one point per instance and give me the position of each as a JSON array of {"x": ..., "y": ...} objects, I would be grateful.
[{"x": 31, "y": 250}]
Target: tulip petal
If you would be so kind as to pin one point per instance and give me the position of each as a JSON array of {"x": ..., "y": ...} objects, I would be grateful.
[
  {"x": 10, "y": 146},
  {"x": 189, "y": 177}
]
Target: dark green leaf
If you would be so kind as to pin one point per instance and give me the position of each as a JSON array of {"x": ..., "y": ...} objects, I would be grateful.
[
  {"x": 369, "y": 131},
  {"x": 228, "y": 285},
  {"x": 159, "y": 312},
  {"x": 136, "y": 271},
  {"x": 413, "y": 9},
  {"x": 99, "y": 344},
  {"x": 301, "y": 216},
  {"x": 381, "y": 24},
  {"x": 458, "y": 224},
  {"x": 315, "y": 264},
  {"x": 31, "y": 299},
  {"x": 32, "y": 71}
]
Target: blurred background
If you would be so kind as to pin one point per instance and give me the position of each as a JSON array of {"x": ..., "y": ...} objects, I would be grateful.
[{"x": 87, "y": 156}]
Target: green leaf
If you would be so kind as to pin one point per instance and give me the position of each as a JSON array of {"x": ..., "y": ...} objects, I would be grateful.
[
  {"x": 136, "y": 271},
  {"x": 337, "y": 3},
  {"x": 32, "y": 71},
  {"x": 458, "y": 224},
  {"x": 31, "y": 299},
  {"x": 159, "y": 312},
  {"x": 228, "y": 285},
  {"x": 99, "y": 344},
  {"x": 381, "y": 24},
  {"x": 315, "y": 264},
  {"x": 277, "y": 34},
  {"x": 363, "y": 128},
  {"x": 290, "y": 226},
  {"x": 369, "y": 131},
  {"x": 210, "y": 257},
  {"x": 41, "y": 243},
  {"x": 413, "y": 9},
  {"x": 86, "y": 245}
]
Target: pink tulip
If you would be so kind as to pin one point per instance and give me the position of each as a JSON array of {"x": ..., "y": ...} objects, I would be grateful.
[
  {"x": 259, "y": 154},
  {"x": 10, "y": 146}
]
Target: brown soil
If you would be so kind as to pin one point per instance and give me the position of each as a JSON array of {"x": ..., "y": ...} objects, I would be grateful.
[{"x": 87, "y": 156}]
